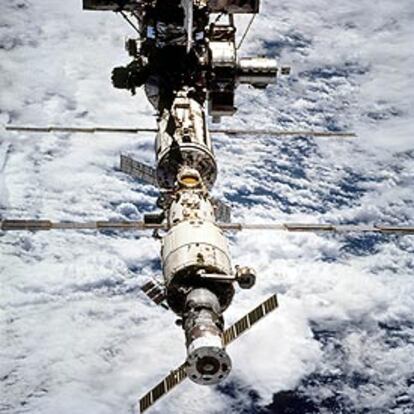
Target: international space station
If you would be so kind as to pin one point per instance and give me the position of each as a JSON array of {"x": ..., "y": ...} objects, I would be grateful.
[{"x": 185, "y": 56}]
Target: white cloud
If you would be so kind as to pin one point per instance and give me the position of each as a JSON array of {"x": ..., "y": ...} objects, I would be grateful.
[{"x": 78, "y": 336}]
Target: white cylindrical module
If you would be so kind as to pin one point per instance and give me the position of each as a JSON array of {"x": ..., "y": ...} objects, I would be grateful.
[
  {"x": 183, "y": 139},
  {"x": 257, "y": 71},
  {"x": 207, "y": 361},
  {"x": 194, "y": 242},
  {"x": 193, "y": 245}
]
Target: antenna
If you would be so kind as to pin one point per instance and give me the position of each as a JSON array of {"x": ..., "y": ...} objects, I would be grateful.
[
  {"x": 42, "y": 225},
  {"x": 216, "y": 131}
]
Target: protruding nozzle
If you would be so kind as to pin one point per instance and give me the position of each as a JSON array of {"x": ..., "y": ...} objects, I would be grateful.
[{"x": 208, "y": 362}]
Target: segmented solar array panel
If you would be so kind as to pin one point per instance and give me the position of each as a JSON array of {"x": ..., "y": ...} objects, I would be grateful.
[
  {"x": 138, "y": 170},
  {"x": 154, "y": 291},
  {"x": 222, "y": 211},
  {"x": 243, "y": 324},
  {"x": 169, "y": 382}
]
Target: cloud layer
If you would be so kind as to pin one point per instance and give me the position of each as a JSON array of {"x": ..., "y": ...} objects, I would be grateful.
[{"x": 76, "y": 333}]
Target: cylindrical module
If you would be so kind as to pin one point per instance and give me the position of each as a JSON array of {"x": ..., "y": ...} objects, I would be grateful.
[
  {"x": 257, "y": 71},
  {"x": 194, "y": 242},
  {"x": 183, "y": 140},
  {"x": 191, "y": 247},
  {"x": 194, "y": 245},
  {"x": 207, "y": 361}
]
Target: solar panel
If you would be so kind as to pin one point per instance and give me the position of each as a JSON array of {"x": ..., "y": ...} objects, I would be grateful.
[
  {"x": 166, "y": 385},
  {"x": 222, "y": 211},
  {"x": 111, "y": 5},
  {"x": 245, "y": 323},
  {"x": 155, "y": 291},
  {"x": 138, "y": 170}
]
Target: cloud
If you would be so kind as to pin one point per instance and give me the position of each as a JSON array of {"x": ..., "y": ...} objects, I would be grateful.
[{"x": 77, "y": 334}]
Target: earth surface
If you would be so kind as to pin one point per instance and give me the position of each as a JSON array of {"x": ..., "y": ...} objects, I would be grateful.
[{"x": 78, "y": 336}]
